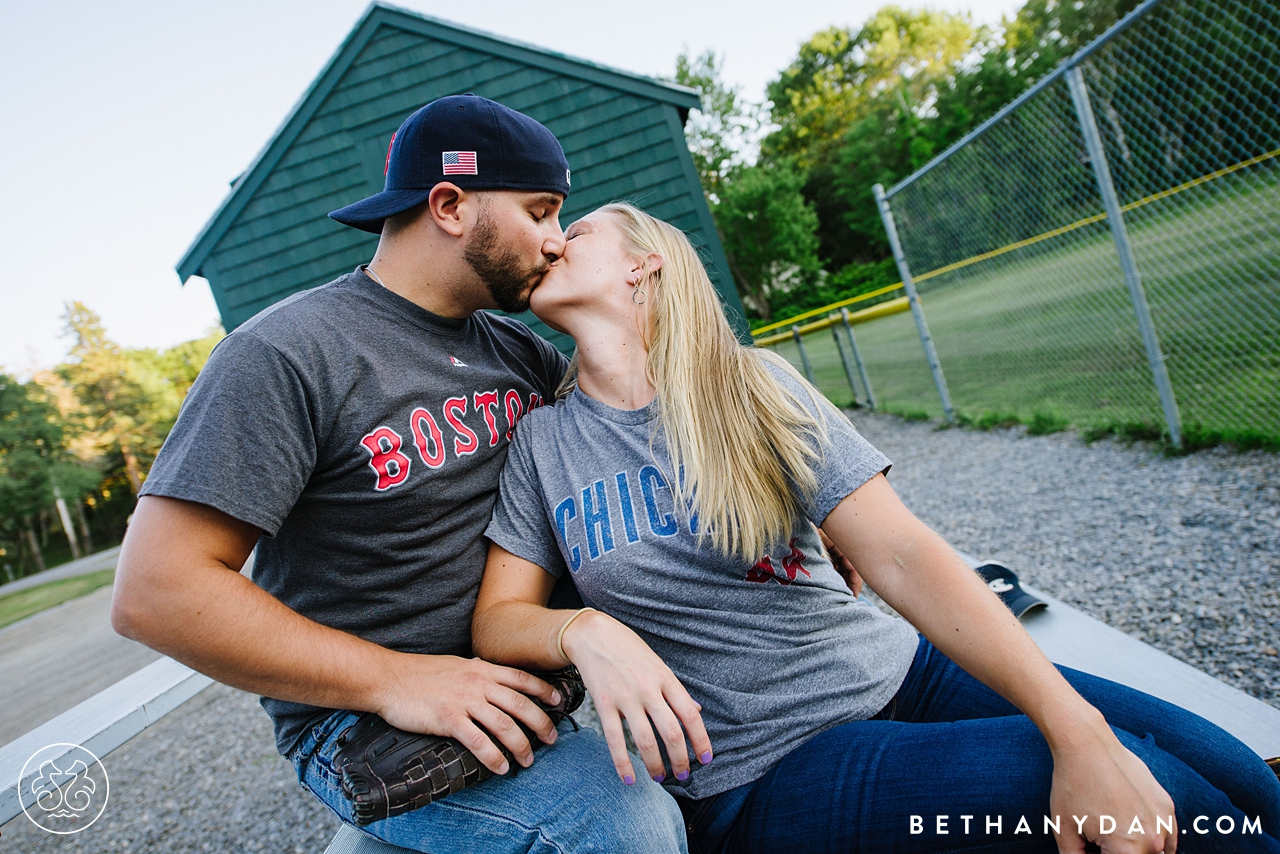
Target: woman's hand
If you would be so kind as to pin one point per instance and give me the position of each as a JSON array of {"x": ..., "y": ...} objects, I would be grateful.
[
  {"x": 627, "y": 680},
  {"x": 1094, "y": 775}
]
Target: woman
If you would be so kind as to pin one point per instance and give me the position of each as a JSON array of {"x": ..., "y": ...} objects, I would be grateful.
[{"x": 677, "y": 484}]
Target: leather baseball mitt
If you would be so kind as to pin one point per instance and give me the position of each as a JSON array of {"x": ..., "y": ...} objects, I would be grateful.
[{"x": 387, "y": 771}]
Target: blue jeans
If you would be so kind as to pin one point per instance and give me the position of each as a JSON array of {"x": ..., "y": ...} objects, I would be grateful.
[
  {"x": 966, "y": 762},
  {"x": 569, "y": 800}
]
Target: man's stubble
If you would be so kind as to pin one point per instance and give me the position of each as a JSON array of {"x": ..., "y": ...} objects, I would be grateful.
[{"x": 507, "y": 277}]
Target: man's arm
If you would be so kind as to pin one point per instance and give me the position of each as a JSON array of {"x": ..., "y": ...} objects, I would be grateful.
[{"x": 178, "y": 590}]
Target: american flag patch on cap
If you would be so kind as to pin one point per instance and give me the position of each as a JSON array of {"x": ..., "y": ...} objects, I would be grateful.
[{"x": 459, "y": 163}]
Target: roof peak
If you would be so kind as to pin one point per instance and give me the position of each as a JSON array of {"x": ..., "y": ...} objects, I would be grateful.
[{"x": 380, "y": 14}]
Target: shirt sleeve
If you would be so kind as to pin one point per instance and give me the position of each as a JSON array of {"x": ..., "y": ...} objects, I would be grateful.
[
  {"x": 845, "y": 459},
  {"x": 244, "y": 441},
  {"x": 520, "y": 523}
]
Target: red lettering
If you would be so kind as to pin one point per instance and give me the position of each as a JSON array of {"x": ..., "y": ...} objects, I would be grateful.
[
  {"x": 391, "y": 466},
  {"x": 794, "y": 562},
  {"x": 792, "y": 565},
  {"x": 435, "y": 458},
  {"x": 515, "y": 409},
  {"x": 535, "y": 400},
  {"x": 762, "y": 571},
  {"x": 485, "y": 401},
  {"x": 468, "y": 442}
]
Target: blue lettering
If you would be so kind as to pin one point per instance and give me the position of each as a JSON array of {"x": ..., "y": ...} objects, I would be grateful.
[
  {"x": 565, "y": 511},
  {"x": 597, "y": 514},
  {"x": 628, "y": 510},
  {"x": 652, "y": 480}
]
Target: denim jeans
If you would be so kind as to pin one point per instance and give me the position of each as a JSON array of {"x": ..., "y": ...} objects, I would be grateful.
[
  {"x": 962, "y": 759},
  {"x": 569, "y": 800}
]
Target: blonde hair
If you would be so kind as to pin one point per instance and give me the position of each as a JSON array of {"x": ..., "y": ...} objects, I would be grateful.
[{"x": 741, "y": 438}]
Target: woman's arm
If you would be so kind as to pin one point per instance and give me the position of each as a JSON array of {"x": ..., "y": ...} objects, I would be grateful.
[
  {"x": 922, "y": 578},
  {"x": 513, "y": 626}
]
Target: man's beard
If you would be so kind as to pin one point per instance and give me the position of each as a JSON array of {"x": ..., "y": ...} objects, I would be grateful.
[{"x": 501, "y": 269}]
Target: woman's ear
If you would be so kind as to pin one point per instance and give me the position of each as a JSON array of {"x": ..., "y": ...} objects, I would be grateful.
[{"x": 641, "y": 268}]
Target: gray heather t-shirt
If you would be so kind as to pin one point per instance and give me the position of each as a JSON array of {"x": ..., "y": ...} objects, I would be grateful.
[
  {"x": 365, "y": 436},
  {"x": 776, "y": 652}
]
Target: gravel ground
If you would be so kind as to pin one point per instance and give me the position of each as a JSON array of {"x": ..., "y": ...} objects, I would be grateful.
[
  {"x": 206, "y": 778},
  {"x": 1180, "y": 552},
  {"x": 1183, "y": 553}
]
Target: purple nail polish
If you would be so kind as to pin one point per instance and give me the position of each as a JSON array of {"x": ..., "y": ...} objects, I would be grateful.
[
  {"x": 705, "y": 758},
  {"x": 658, "y": 778},
  {"x": 628, "y": 779},
  {"x": 682, "y": 776}
]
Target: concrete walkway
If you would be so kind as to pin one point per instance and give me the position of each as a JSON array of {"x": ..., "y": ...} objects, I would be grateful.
[
  {"x": 53, "y": 660},
  {"x": 105, "y": 559}
]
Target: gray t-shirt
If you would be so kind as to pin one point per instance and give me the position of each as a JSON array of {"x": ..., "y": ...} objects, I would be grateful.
[
  {"x": 365, "y": 436},
  {"x": 776, "y": 652}
]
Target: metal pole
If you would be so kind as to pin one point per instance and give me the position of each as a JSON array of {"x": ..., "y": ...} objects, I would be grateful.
[
  {"x": 857, "y": 357},
  {"x": 844, "y": 360},
  {"x": 922, "y": 326},
  {"x": 1098, "y": 157},
  {"x": 804, "y": 356}
]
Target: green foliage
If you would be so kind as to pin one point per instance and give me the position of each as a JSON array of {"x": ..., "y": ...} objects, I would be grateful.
[
  {"x": 127, "y": 400},
  {"x": 31, "y": 443},
  {"x": 89, "y": 429},
  {"x": 851, "y": 281},
  {"x": 1043, "y": 423},
  {"x": 721, "y": 132},
  {"x": 767, "y": 228},
  {"x": 856, "y": 108},
  {"x": 989, "y": 420}
]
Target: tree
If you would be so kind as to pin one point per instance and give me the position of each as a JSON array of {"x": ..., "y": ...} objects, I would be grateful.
[
  {"x": 861, "y": 99},
  {"x": 127, "y": 400},
  {"x": 767, "y": 228},
  {"x": 30, "y": 445},
  {"x": 721, "y": 133}
]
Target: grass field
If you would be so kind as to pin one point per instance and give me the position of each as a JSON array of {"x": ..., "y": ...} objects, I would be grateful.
[
  {"x": 24, "y": 603},
  {"x": 1048, "y": 333}
]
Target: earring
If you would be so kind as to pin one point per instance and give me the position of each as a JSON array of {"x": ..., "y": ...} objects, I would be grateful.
[{"x": 642, "y": 299}]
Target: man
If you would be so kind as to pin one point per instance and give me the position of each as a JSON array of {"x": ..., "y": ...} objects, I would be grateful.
[{"x": 354, "y": 434}]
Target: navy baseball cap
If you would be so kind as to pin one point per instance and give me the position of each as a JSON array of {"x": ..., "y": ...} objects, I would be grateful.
[
  {"x": 469, "y": 141},
  {"x": 1004, "y": 584}
]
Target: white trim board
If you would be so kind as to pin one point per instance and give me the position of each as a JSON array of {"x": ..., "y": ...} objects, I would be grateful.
[
  {"x": 103, "y": 722},
  {"x": 1074, "y": 639}
]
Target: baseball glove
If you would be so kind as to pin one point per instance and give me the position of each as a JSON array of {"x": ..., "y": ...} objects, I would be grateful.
[{"x": 387, "y": 771}]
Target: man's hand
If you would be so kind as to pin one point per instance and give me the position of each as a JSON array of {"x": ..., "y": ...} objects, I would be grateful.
[
  {"x": 451, "y": 696},
  {"x": 178, "y": 590},
  {"x": 843, "y": 565}
]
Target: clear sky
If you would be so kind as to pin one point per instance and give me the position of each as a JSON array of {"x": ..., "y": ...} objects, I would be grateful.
[{"x": 122, "y": 123}]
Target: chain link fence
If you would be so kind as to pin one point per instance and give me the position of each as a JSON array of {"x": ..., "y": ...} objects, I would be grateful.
[{"x": 1105, "y": 251}]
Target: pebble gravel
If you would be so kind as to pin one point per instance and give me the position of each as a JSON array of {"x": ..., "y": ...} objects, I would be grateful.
[
  {"x": 1180, "y": 552},
  {"x": 205, "y": 778}
]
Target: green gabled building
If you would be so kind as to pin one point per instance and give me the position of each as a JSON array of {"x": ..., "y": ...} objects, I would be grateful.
[{"x": 623, "y": 135}]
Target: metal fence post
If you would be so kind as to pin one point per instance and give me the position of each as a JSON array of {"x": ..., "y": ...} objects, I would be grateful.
[
  {"x": 804, "y": 356},
  {"x": 844, "y": 360},
  {"x": 922, "y": 326},
  {"x": 857, "y": 358},
  {"x": 1098, "y": 157}
]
